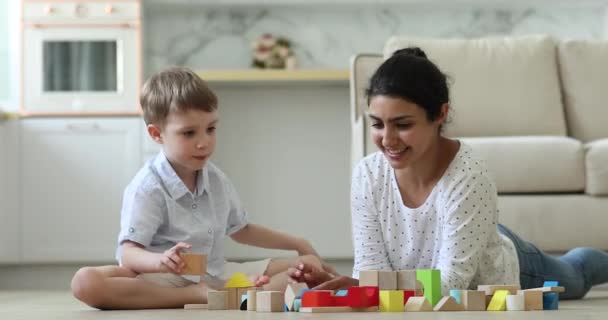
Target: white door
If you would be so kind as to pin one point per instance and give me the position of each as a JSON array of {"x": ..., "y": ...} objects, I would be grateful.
[
  {"x": 73, "y": 175},
  {"x": 10, "y": 241}
]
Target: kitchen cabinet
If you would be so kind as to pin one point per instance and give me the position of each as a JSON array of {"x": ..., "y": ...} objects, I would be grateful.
[
  {"x": 10, "y": 245},
  {"x": 73, "y": 172}
]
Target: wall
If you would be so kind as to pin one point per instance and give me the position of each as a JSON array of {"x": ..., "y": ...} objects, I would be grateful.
[{"x": 325, "y": 36}]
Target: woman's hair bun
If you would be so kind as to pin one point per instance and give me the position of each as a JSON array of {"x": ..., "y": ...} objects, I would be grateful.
[{"x": 410, "y": 51}]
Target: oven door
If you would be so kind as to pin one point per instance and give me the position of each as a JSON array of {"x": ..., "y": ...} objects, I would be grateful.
[{"x": 81, "y": 69}]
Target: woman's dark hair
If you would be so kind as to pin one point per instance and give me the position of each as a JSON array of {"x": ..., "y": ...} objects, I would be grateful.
[{"x": 408, "y": 74}]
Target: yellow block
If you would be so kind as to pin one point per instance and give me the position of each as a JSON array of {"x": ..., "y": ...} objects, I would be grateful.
[
  {"x": 499, "y": 301},
  {"x": 391, "y": 300},
  {"x": 239, "y": 280}
]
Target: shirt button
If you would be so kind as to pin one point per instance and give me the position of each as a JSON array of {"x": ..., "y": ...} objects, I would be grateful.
[
  {"x": 210, "y": 231},
  {"x": 194, "y": 206}
]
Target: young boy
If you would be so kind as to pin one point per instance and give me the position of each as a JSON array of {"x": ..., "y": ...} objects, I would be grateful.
[{"x": 180, "y": 201}]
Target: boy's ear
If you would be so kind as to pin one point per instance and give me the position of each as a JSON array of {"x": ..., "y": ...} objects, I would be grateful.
[{"x": 154, "y": 133}]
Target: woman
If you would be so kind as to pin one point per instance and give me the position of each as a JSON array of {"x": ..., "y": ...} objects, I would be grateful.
[{"x": 426, "y": 201}]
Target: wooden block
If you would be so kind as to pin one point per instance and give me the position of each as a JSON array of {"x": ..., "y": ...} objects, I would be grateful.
[
  {"x": 359, "y": 297},
  {"x": 251, "y": 301},
  {"x": 516, "y": 302},
  {"x": 368, "y": 278},
  {"x": 317, "y": 298},
  {"x": 269, "y": 301},
  {"x": 550, "y": 284},
  {"x": 239, "y": 280},
  {"x": 201, "y": 306},
  {"x": 448, "y": 303},
  {"x": 217, "y": 300},
  {"x": 473, "y": 300},
  {"x": 491, "y": 289},
  {"x": 391, "y": 300},
  {"x": 337, "y": 309},
  {"x": 297, "y": 304},
  {"x": 419, "y": 289},
  {"x": 234, "y": 300},
  {"x": 455, "y": 293},
  {"x": 406, "y": 280},
  {"x": 196, "y": 264},
  {"x": 418, "y": 304},
  {"x": 431, "y": 281},
  {"x": 557, "y": 289},
  {"x": 533, "y": 300},
  {"x": 499, "y": 301},
  {"x": 387, "y": 280},
  {"x": 243, "y": 292},
  {"x": 550, "y": 301},
  {"x": 292, "y": 292},
  {"x": 408, "y": 294}
]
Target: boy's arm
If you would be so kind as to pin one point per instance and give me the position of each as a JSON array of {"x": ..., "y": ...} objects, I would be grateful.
[
  {"x": 259, "y": 236},
  {"x": 140, "y": 260}
]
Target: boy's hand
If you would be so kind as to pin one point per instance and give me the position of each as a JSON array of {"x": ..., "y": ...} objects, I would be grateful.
[
  {"x": 307, "y": 273},
  {"x": 171, "y": 260}
]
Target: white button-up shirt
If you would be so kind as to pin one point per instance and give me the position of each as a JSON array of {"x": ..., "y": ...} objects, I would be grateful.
[{"x": 159, "y": 211}]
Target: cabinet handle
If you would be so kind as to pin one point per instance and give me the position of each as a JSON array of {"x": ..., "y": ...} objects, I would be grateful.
[{"x": 83, "y": 127}]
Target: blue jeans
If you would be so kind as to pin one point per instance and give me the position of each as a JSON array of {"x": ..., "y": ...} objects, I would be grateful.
[{"x": 577, "y": 271}]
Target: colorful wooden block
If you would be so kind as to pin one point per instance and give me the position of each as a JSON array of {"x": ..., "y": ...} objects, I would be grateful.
[
  {"x": 406, "y": 280},
  {"x": 473, "y": 300},
  {"x": 408, "y": 294},
  {"x": 448, "y": 303},
  {"x": 431, "y": 281},
  {"x": 239, "y": 280},
  {"x": 533, "y": 300},
  {"x": 455, "y": 293},
  {"x": 418, "y": 304},
  {"x": 516, "y": 302},
  {"x": 391, "y": 301},
  {"x": 297, "y": 304},
  {"x": 317, "y": 298},
  {"x": 291, "y": 293},
  {"x": 217, "y": 300},
  {"x": 196, "y": 264},
  {"x": 269, "y": 301},
  {"x": 361, "y": 297},
  {"x": 491, "y": 289},
  {"x": 550, "y": 284},
  {"x": 550, "y": 301},
  {"x": 337, "y": 309},
  {"x": 499, "y": 301}
]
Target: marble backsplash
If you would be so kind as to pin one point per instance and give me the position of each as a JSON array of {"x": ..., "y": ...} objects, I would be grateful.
[{"x": 214, "y": 37}]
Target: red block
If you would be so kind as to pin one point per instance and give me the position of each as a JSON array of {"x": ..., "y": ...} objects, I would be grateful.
[
  {"x": 361, "y": 297},
  {"x": 407, "y": 294},
  {"x": 340, "y": 301},
  {"x": 318, "y": 298}
]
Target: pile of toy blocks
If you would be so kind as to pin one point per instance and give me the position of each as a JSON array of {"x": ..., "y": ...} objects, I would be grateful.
[{"x": 384, "y": 291}]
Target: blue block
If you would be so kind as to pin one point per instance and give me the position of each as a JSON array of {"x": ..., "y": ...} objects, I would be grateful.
[
  {"x": 341, "y": 293},
  {"x": 297, "y": 304},
  {"x": 550, "y": 300},
  {"x": 550, "y": 284},
  {"x": 455, "y": 293}
]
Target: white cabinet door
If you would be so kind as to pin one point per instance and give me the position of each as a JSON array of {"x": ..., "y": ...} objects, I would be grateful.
[
  {"x": 73, "y": 175},
  {"x": 10, "y": 241}
]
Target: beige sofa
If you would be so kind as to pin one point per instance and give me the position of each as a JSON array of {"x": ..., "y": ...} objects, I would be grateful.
[{"x": 536, "y": 109}]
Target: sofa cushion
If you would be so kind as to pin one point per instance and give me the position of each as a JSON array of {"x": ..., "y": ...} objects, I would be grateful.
[
  {"x": 596, "y": 161},
  {"x": 583, "y": 69},
  {"x": 501, "y": 86},
  {"x": 541, "y": 164}
]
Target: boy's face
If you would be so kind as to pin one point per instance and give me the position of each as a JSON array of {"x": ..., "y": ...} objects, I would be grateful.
[{"x": 188, "y": 138}]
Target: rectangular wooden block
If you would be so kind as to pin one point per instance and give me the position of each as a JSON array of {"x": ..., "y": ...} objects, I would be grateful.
[
  {"x": 291, "y": 292},
  {"x": 550, "y": 301},
  {"x": 473, "y": 300},
  {"x": 387, "y": 280},
  {"x": 406, "y": 280},
  {"x": 196, "y": 264},
  {"x": 516, "y": 302},
  {"x": 217, "y": 300},
  {"x": 431, "y": 280},
  {"x": 337, "y": 309},
  {"x": 557, "y": 289},
  {"x": 234, "y": 300},
  {"x": 491, "y": 289},
  {"x": 533, "y": 300},
  {"x": 251, "y": 300},
  {"x": 269, "y": 301},
  {"x": 368, "y": 278}
]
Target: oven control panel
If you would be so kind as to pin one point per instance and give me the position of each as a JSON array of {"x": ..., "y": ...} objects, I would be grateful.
[{"x": 79, "y": 11}]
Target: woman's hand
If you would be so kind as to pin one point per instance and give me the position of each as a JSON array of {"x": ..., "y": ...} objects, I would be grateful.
[{"x": 171, "y": 260}]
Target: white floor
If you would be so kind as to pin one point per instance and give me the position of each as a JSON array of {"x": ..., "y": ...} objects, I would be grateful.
[{"x": 15, "y": 305}]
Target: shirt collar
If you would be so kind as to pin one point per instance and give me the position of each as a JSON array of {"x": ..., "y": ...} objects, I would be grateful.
[{"x": 174, "y": 184}]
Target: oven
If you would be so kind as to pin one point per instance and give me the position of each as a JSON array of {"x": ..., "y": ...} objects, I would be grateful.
[{"x": 81, "y": 56}]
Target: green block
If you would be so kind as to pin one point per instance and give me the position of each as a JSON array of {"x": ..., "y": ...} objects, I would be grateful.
[{"x": 431, "y": 281}]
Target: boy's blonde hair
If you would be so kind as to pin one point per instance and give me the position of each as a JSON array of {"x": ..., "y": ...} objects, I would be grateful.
[{"x": 175, "y": 89}]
